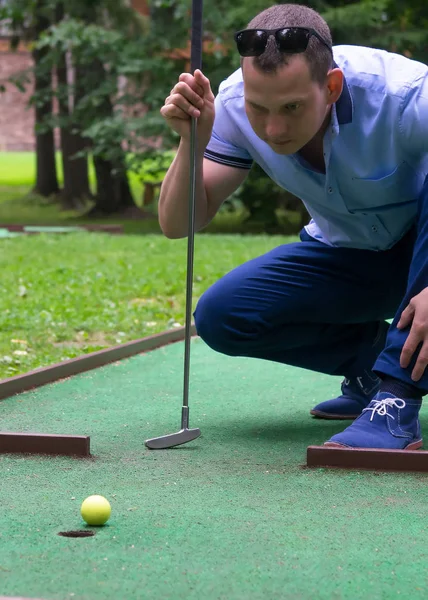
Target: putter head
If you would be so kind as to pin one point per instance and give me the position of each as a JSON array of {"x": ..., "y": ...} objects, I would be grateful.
[{"x": 174, "y": 439}]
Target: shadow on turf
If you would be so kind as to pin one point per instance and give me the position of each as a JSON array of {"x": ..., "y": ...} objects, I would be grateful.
[{"x": 313, "y": 431}]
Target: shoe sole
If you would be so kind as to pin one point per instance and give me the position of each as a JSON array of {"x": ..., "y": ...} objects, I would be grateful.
[
  {"x": 322, "y": 415},
  {"x": 413, "y": 446}
]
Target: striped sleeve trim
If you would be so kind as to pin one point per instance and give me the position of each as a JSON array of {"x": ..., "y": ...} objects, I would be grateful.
[{"x": 230, "y": 161}]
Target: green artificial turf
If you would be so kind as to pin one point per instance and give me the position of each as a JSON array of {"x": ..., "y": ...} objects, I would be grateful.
[{"x": 234, "y": 515}]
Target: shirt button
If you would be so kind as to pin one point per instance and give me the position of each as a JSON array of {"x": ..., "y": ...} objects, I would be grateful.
[
  {"x": 374, "y": 228},
  {"x": 330, "y": 190}
]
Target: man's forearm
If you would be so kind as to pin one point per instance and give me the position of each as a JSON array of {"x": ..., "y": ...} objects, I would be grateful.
[{"x": 174, "y": 195}]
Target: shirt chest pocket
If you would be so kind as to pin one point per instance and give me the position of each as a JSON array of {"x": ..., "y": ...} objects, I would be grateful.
[{"x": 398, "y": 189}]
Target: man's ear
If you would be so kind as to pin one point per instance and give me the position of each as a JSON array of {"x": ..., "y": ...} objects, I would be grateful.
[{"x": 334, "y": 85}]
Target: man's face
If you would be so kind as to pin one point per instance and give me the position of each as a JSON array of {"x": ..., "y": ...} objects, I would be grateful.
[{"x": 285, "y": 109}]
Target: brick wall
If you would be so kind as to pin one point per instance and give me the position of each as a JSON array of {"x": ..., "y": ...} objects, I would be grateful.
[{"x": 16, "y": 121}]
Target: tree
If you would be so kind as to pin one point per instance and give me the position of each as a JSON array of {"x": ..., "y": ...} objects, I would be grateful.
[
  {"x": 392, "y": 25},
  {"x": 120, "y": 126},
  {"x": 96, "y": 56},
  {"x": 26, "y": 21},
  {"x": 42, "y": 22},
  {"x": 113, "y": 191},
  {"x": 46, "y": 175},
  {"x": 75, "y": 168}
]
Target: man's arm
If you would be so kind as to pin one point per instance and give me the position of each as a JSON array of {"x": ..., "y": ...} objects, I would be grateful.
[
  {"x": 414, "y": 131},
  {"x": 215, "y": 182},
  {"x": 222, "y": 165}
]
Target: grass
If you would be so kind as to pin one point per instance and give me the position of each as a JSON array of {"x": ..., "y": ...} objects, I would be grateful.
[
  {"x": 65, "y": 295},
  {"x": 18, "y": 169},
  {"x": 19, "y": 205}
]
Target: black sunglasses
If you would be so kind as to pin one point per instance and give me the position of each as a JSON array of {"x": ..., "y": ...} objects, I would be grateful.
[{"x": 291, "y": 40}]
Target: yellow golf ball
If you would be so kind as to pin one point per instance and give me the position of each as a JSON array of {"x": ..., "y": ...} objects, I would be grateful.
[{"x": 95, "y": 510}]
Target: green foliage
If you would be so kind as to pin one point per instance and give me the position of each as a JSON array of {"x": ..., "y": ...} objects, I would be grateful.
[
  {"x": 393, "y": 25},
  {"x": 121, "y": 57},
  {"x": 268, "y": 206},
  {"x": 132, "y": 47}
]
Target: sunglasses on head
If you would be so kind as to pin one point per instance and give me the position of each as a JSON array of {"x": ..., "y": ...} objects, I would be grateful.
[{"x": 291, "y": 40}]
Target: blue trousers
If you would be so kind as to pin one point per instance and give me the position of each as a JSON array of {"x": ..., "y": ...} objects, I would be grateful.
[{"x": 319, "y": 307}]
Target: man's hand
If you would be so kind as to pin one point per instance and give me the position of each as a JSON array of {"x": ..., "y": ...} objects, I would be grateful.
[{"x": 415, "y": 314}]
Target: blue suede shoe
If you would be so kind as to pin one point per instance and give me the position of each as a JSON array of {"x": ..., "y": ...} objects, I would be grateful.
[
  {"x": 387, "y": 422},
  {"x": 356, "y": 394}
]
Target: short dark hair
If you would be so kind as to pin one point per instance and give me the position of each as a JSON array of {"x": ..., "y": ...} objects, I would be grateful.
[{"x": 318, "y": 57}]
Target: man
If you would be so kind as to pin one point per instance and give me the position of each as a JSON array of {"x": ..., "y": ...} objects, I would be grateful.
[{"x": 346, "y": 130}]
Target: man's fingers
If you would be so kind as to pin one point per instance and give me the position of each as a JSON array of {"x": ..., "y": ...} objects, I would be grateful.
[
  {"x": 421, "y": 363},
  {"x": 205, "y": 83},
  {"x": 416, "y": 336},
  {"x": 192, "y": 83},
  {"x": 172, "y": 111},
  {"x": 183, "y": 90},
  {"x": 406, "y": 317}
]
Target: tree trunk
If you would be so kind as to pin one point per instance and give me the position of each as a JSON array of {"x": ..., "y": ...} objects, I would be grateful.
[
  {"x": 46, "y": 175},
  {"x": 76, "y": 180},
  {"x": 113, "y": 191}
]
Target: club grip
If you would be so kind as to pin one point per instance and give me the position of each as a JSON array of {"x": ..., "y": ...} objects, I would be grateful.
[{"x": 196, "y": 44}]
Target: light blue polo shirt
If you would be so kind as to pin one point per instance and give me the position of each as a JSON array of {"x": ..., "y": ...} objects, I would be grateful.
[{"x": 376, "y": 150}]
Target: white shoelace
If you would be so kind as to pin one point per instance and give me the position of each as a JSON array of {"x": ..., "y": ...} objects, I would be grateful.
[{"x": 381, "y": 406}]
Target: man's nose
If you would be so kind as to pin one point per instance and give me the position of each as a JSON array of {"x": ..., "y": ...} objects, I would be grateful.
[{"x": 276, "y": 128}]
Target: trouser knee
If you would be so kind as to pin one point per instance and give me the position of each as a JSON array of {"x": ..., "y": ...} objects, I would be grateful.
[{"x": 220, "y": 330}]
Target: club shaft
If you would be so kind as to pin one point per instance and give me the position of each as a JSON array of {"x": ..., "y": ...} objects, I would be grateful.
[
  {"x": 195, "y": 63},
  {"x": 185, "y": 417},
  {"x": 186, "y": 434},
  {"x": 190, "y": 260}
]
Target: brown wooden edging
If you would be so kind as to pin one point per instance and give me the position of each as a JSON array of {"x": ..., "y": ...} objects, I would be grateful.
[
  {"x": 374, "y": 459},
  {"x": 44, "y": 443},
  {"x": 87, "y": 362}
]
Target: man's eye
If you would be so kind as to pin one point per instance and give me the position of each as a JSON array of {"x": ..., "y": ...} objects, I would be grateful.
[
  {"x": 258, "y": 108},
  {"x": 292, "y": 107}
]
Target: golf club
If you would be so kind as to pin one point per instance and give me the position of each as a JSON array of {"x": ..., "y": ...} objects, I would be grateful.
[{"x": 185, "y": 434}]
